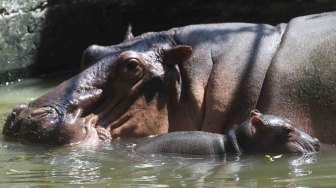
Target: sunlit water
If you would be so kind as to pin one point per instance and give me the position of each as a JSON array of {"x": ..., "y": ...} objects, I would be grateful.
[{"x": 115, "y": 165}]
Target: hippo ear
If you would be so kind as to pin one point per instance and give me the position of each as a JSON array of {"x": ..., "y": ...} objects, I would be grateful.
[
  {"x": 176, "y": 55},
  {"x": 255, "y": 112},
  {"x": 258, "y": 123},
  {"x": 129, "y": 34}
]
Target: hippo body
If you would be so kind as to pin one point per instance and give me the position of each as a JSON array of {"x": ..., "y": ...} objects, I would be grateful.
[
  {"x": 185, "y": 142},
  {"x": 194, "y": 78},
  {"x": 260, "y": 134}
]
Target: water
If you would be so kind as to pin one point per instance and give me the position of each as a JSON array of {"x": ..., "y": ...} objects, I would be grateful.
[{"x": 115, "y": 165}]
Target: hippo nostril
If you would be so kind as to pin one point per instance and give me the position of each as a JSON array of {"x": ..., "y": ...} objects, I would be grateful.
[
  {"x": 38, "y": 112},
  {"x": 18, "y": 108}
]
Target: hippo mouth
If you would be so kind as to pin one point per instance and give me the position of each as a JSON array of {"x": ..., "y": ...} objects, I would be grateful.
[
  {"x": 69, "y": 120},
  {"x": 309, "y": 147},
  {"x": 50, "y": 126},
  {"x": 304, "y": 144}
]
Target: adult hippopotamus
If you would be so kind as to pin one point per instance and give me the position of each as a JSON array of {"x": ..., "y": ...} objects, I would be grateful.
[
  {"x": 194, "y": 78},
  {"x": 260, "y": 134}
]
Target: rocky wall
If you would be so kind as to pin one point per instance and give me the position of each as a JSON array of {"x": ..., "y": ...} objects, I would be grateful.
[{"x": 21, "y": 23}]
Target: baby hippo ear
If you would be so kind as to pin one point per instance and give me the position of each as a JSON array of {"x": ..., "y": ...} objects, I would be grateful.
[
  {"x": 258, "y": 123},
  {"x": 255, "y": 112},
  {"x": 176, "y": 55}
]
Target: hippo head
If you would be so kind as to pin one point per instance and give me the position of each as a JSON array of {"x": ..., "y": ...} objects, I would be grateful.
[
  {"x": 273, "y": 134},
  {"x": 122, "y": 91}
]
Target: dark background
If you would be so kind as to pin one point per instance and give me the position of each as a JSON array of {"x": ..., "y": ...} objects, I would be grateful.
[{"x": 71, "y": 26}]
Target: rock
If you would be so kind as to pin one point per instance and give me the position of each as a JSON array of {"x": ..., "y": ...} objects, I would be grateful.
[{"x": 21, "y": 22}]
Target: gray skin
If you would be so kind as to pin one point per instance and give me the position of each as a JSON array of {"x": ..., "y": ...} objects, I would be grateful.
[
  {"x": 260, "y": 134},
  {"x": 193, "y": 78}
]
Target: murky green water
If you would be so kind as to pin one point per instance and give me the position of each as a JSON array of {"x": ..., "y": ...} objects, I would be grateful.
[{"x": 115, "y": 165}]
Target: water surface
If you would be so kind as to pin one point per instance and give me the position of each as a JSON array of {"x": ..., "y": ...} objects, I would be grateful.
[{"x": 115, "y": 165}]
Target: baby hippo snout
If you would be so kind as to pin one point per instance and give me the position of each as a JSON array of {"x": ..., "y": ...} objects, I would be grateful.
[
  {"x": 316, "y": 145},
  {"x": 310, "y": 144}
]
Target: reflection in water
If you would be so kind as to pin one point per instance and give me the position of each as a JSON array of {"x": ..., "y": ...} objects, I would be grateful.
[
  {"x": 75, "y": 165},
  {"x": 114, "y": 164},
  {"x": 302, "y": 161}
]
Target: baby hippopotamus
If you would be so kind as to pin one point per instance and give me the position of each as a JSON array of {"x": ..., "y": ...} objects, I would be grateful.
[{"x": 260, "y": 134}]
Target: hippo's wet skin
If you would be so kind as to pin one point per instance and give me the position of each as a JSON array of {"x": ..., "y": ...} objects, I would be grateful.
[
  {"x": 194, "y": 78},
  {"x": 260, "y": 134}
]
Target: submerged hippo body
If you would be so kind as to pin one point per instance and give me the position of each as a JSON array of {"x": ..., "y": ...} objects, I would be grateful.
[
  {"x": 193, "y": 78},
  {"x": 260, "y": 134}
]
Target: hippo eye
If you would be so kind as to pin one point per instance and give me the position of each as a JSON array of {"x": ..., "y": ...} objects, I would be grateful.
[
  {"x": 132, "y": 64},
  {"x": 288, "y": 131},
  {"x": 132, "y": 70}
]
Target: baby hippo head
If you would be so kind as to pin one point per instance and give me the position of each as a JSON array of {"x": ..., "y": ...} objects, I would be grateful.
[{"x": 273, "y": 134}]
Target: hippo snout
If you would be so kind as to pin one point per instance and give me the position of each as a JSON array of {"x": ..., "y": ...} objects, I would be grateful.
[
  {"x": 18, "y": 108},
  {"x": 13, "y": 122},
  {"x": 16, "y": 111},
  {"x": 316, "y": 145},
  {"x": 308, "y": 143}
]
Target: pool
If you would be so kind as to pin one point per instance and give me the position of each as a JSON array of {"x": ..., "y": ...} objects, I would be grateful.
[{"x": 114, "y": 164}]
